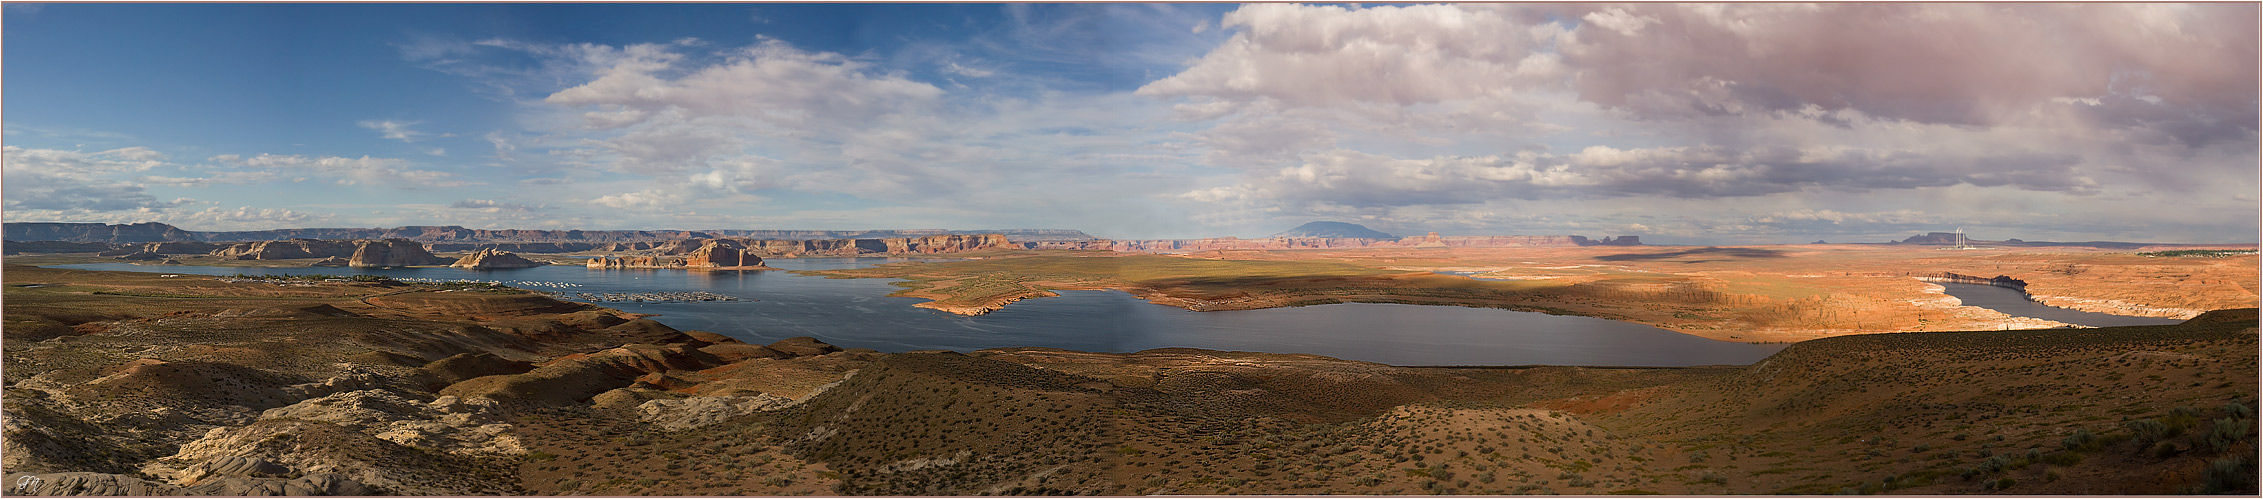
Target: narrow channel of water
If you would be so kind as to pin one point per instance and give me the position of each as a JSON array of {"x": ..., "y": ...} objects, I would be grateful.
[
  {"x": 857, "y": 313},
  {"x": 2015, "y": 303}
]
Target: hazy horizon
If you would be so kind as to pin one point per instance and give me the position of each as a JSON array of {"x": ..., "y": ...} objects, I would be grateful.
[{"x": 1679, "y": 123}]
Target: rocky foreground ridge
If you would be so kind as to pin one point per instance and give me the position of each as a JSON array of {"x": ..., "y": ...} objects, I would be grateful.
[{"x": 398, "y": 389}]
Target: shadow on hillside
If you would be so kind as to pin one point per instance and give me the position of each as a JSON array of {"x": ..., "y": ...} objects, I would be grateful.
[{"x": 1706, "y": 251}]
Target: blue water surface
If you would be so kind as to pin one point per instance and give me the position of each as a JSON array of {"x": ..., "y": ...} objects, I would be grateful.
[{"x": 856, "y": 313}]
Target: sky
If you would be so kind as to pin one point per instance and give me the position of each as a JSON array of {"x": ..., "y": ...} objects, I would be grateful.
[{"x": 1680, "y": 123}]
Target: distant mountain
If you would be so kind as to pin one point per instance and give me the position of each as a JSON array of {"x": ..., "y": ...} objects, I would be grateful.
[
  {"x": 1335, "y": 230},
  {"x": 151, "y": 232},
  {"x": 1948, "y": 238}
]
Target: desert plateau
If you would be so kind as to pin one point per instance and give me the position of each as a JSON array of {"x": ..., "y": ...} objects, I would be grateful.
[
  {"x": 141, "y": 383},
  {"x": 770, "y": 249}
]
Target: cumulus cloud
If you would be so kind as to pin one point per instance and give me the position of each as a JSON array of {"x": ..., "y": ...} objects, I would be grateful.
[
  {"x": 645, "y": 199},
  {"x": 1304, "y": 56},
  {"x": 1973, "y": 64},
  {"x": 1389, "y": 111},
  {"x": 771, "y": 82},
  {"x": 348, "y": 171},
  {"x": 53, "y": 179}
]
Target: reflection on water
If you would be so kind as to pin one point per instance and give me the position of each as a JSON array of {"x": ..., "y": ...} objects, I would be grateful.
[
  {"x": 2014, "y": 303},
  {"x": 856, "y": 313}
]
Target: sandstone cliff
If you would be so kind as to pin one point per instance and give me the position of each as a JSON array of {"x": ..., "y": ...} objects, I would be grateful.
[
  {"x": 515, "y": 247},
  {"x": 721, "y": 253},
  {"x": 691, "y": 249},
  {"x": 182, "y": 247},
  {"x": 491, "y": 259},
  {"x": 283, "y": 250},
  {"x": 392, "y": 253}
]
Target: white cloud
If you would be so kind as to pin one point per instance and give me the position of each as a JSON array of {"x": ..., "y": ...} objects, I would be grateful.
[
  {"x": 645, "y": 199},
  {"x": 1325, "y": 55},
  {"x": 492, "y": 206},
  {"x": 970, "y": 72},
  {"x": 349, "y": 171},
  {"x": 771, "y": 82},
  {"x": 53, "y": 179},
  {"x": 395, "y": 130}
]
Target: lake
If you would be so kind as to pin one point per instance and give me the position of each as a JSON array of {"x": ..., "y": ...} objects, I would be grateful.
[
  {"x": 856, "y": 313},
  {"x": 2014, "y": 303}
]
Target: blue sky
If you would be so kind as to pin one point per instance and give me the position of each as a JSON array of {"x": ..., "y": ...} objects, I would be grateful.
[{"x": 1680, "y": 123}]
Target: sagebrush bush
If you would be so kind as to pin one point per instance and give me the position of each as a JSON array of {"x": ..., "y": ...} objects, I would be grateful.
[
  {"x": 2226, "y": 433},
  {"x": 2148, "y": 431}
]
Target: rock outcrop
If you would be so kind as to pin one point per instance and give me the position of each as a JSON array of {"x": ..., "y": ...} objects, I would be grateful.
[
  {"x": 141, "y": 256},
  {"x": 392, "y": 253},
  {"x": 329, "y": 262},
  {"x": 803, "y": 346},
  {"x": 515, "y": 247},
  {"x": 288, "y": 249},
  {"x": 488, "y": 259},
  {"x": 80, "y": 483},
  {"x": 1998, "y": 281},
  {"x": 722, "y": 253},
  {"x": 182, "y": 247}
]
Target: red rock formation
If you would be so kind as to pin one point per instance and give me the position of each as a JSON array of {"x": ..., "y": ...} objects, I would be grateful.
[
  {"x": 141, "y": 255},
  {"x": 282, "y": 250},
  {"x": 722, "y": 253},
  {"x": 1093, "y": 245},
  {"x": 817, "y": 247},
  {"x": 392, "y": 253},
  {"x": 491, "y": 259},
  {"x": 519, "y": 247},
  {"x": 182, "y": 248},
  {"x": 946, "y": 244}
]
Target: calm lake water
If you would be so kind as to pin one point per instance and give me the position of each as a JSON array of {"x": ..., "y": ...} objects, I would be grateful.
[
  {"x": 855, "y": 313},
  {"x": 2015, "y": 303}
]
